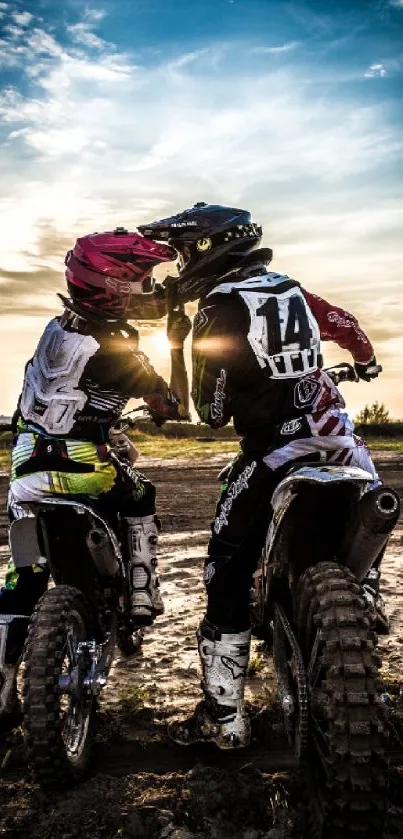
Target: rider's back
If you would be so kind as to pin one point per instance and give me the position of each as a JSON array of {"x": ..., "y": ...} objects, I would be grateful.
[
  {"x": 256, "y": 354},
  {"x": 81, "y": 376}
]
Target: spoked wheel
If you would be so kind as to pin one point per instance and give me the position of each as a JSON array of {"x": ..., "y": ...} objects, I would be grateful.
[
  {"x": 58, "y": 709},
  {"x": 345, "y": 774}
]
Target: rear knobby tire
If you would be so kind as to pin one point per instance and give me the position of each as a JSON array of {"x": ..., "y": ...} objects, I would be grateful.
[
  {"x": 57, "y": 729},
  {"x": 345, "y": 773}
]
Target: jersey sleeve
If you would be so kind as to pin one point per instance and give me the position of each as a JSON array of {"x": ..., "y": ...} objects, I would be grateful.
[
  {"x": 213, "y": 348},
  {"x": 337, "y": 325},
  {"x": 125, "y": 369},
  {"x": 143, "y": 379}
]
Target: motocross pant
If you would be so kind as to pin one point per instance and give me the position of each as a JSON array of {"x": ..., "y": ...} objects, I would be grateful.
[
  {"x": 243, "y": 514},
  {"x": 109, "y": 492}
]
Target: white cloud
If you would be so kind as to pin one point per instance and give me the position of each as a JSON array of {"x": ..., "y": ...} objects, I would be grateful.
[
  {"x": 81, "y": 33},
  {"x": 22, "y": 18},
  {"x": 288, "y": 47},
  {"x": 40, "y": 42},
  {"x": 105, "y": 140},
  {"x": 94, "y": 15},
  {"x": 10, "y": 54},
  {"x": 100, "y": 139},
  {"x": 189, "y": 58},
  {"x": 14, "y": 31},
  {"x": 376, "y": 71},
  {"x": 398, "y": 4},
  {"x": 55, "y": 143}
]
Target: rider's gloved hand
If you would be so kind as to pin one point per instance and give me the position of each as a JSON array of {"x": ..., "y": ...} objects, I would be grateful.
[
  {"x": 178, "y": 328},
  {"x": 122, "y": 442},
  {"x": 367, "y": 371},
  {"x": 162, "y": 407}
]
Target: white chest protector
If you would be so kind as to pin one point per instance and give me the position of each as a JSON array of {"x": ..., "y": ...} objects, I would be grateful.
[
  {"x": 50, "y": 397},
  {"x": 283, "y": 333}
]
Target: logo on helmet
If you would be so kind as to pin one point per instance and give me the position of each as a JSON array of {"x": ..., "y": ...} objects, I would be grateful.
[
  {"x": 118, "y": 285},
  {"x": 183, "y": 224},
  {"x": 203, "y": 245}
]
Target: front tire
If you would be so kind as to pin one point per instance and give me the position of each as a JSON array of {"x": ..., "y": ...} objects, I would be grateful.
[
  {"x": 57, "y": 722},
  {"x": 345, "y": 773}
]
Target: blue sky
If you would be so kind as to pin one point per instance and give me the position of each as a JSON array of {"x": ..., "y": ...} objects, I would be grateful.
[{"x": 119, "y": 111}]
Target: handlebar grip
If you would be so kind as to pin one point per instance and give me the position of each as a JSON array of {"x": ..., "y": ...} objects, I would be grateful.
[{"x": 342, "y": 373}]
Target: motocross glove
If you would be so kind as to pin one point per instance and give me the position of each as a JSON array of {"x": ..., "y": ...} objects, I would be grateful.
[
  {"x": 178, "y": 328},
  {"x": 367, "y": 371},
  {"x": 162, "y": 407},
  {"x": 123, "y": 444}
]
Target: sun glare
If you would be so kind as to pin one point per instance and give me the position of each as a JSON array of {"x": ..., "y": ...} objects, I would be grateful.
[{"x": 160, "y": 342}]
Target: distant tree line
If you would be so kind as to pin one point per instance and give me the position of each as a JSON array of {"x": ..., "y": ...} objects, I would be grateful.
[
  {"x": 375, "y": 421},
  {"x": 376, "y": 413}
]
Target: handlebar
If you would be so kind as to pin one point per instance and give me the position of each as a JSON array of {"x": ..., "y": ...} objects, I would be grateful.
[
  {"x": 126, "y": 421},
  {"x": 345, "y": 373}
]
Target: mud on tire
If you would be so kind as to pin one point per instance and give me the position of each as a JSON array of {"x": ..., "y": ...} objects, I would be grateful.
[
  {"x": 57, "y": 728},
  {"x": 345, "y": 776}
]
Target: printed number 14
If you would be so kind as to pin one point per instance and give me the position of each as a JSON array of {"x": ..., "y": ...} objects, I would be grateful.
[{"x": 297, "y": 330}]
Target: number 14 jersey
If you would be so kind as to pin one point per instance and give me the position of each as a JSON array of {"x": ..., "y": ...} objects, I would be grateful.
[
  {"x": 256, "y": 351},
  {"x": 283, "y": 333}
]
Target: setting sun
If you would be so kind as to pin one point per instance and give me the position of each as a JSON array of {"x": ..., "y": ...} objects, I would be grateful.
[{"x": 160, "y": 342}]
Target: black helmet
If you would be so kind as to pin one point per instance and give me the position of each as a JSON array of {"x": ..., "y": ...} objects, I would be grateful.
[{"x": 211, "y": 240}]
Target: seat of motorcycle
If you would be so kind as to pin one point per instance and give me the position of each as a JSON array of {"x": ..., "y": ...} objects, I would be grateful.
[{"x": 54, "y": 501}]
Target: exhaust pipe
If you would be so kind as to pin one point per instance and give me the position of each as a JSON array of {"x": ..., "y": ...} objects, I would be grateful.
[
  {"x": 387, "y": 504},
  {"x": 375, "y": 517},
  {"x": 102, "y": 553}
]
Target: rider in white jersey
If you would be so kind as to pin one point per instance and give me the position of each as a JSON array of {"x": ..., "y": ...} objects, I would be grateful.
[{"x": 85, "y": 368}]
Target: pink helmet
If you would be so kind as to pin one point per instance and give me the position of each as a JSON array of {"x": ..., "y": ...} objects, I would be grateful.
[{"x": 105, "y": 270}]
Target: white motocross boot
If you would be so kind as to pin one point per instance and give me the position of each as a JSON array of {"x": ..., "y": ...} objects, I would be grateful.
[
  {"x": 221, "y": 717},
  {"x": 142, "y": 536}
]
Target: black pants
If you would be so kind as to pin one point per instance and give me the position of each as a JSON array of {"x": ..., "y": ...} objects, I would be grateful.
[
  {"x": 238, "y": 533},
  {"x": 239, "y": 530}
]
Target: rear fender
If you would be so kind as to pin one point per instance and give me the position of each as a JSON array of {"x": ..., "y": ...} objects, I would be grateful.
[
  {"x": 319, "y": 475},
  {"x": 307, "y": 506}
]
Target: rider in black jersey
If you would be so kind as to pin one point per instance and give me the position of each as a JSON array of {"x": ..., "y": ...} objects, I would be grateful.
[{"x": 256, "y": 360}]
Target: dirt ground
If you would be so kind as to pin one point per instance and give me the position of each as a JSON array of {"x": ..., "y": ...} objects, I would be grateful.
[{"x": 142, "y": 785}]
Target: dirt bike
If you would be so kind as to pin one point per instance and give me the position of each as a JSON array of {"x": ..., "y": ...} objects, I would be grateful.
[
  {"x": 74, "y": 629},
  {"x": 330, "y": 524}
]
